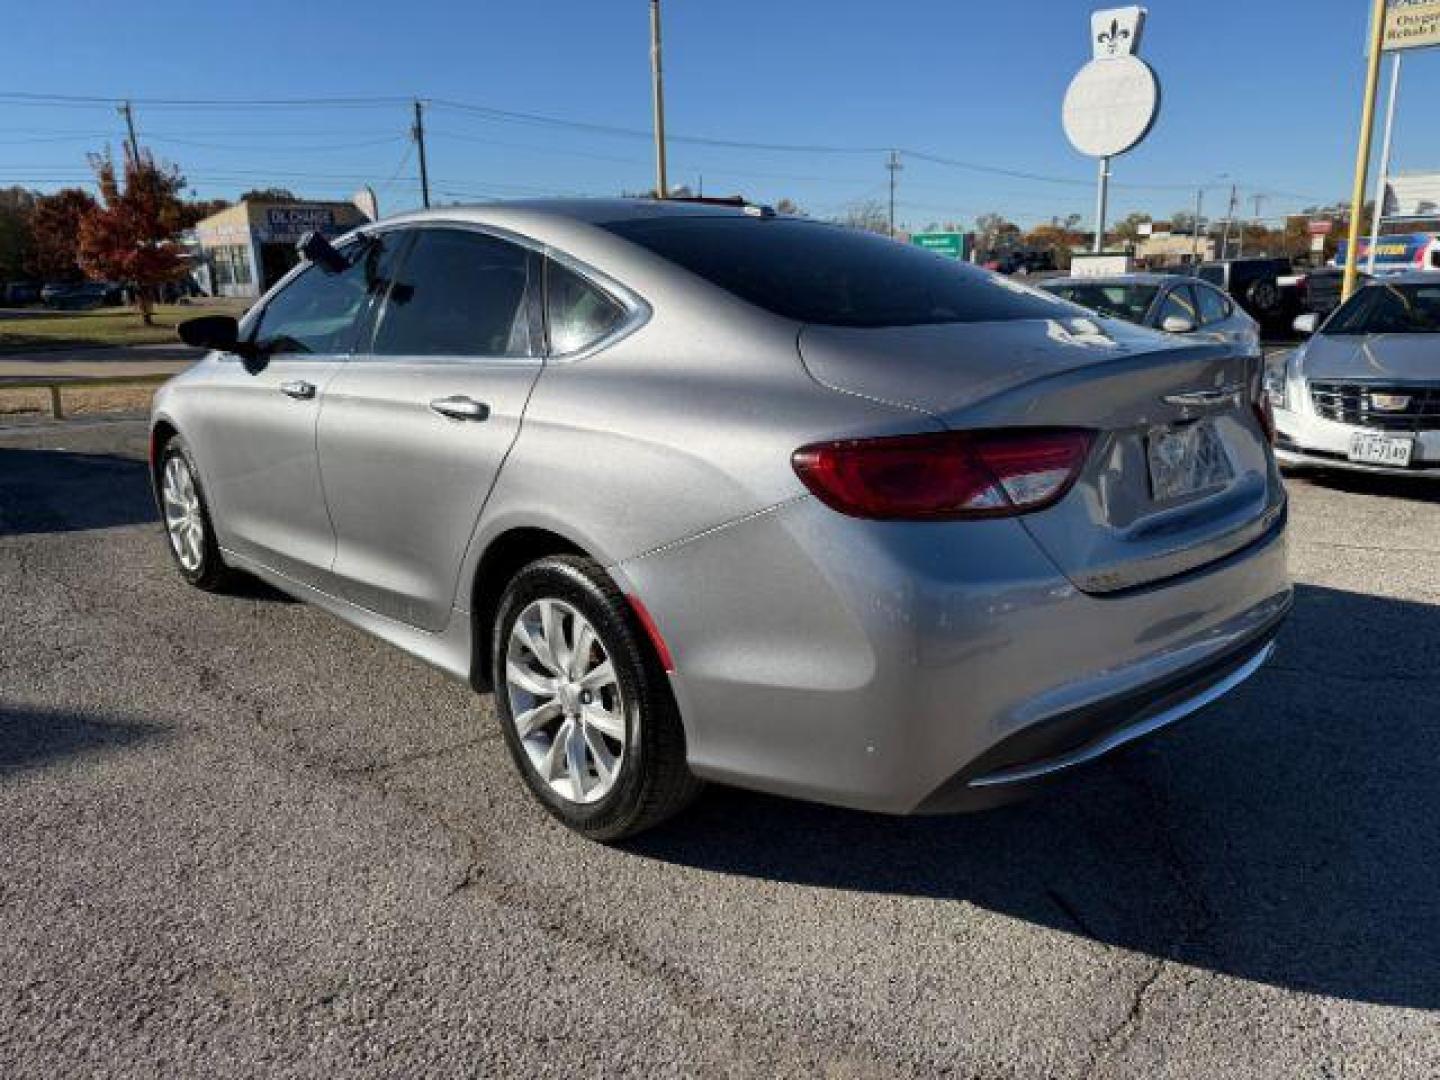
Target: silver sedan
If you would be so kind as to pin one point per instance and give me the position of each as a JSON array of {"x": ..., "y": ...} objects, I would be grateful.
[
  {"x": 1364, "y": 392},
  {"x": 1172, "y": 303},
  {"x": 709, "y": 493}
]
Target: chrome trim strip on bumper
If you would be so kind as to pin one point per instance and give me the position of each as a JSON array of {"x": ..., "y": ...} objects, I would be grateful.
[{"x": 1121, "y": 736}]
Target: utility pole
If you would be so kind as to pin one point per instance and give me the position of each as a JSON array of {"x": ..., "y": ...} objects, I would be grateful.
[
  {"x": 418, "y": 133},
  {"x": 1259, "y": 224},
  {"x": 1229, "y": 218},
  {"x": 1195, "y": 227},
  {"x": 129, "y": 114},
  {"x": 894, "y": 166},
  {"x": 657, "y": 80}
]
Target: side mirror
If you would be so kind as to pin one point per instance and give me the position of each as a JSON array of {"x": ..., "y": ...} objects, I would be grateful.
[
  {"x": 1177, "y": 324},
  {"x": 1307, "y": 323},
  {"x": 314, "y": 248},
  {"x": 218, "y": 332}
]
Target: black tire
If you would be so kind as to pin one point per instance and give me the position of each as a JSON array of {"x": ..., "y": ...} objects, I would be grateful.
[
  {"x": 653, "y": 782},
  {"x": 1264, "y": 296},
  {"x": 211, "y": 574}
]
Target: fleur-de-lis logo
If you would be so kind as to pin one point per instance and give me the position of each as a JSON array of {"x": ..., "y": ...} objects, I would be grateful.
[{"x": 1112, "y": 38}]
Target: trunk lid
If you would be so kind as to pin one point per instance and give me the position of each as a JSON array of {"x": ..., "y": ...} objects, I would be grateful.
[{"x": 1184, "y": 406}]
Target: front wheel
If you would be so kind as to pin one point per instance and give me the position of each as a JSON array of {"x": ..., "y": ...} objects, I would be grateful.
[
  {"x": 584, "y": 704},
  {"x": 187, "y": 519}
]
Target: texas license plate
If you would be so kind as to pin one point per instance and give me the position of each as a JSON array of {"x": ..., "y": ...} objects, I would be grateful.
[
  {"x": 1374, "y": 448},
  {"x": 1186, "y": 459}
]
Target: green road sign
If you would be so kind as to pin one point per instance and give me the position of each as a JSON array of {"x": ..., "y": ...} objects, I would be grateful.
[{"x": 952, "y": 245}]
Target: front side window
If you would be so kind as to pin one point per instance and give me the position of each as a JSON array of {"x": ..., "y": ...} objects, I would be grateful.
[
  {"x": 317, "y": 311},
  {"x": 834, "y": 276},
  {"x": 577, "y": 313},
  {"x": 459, "y": 293},
  {"x": 1128, "y": 302}
]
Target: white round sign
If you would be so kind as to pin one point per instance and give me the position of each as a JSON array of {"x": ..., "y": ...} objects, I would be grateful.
[{"x": 1111, "y": 105}]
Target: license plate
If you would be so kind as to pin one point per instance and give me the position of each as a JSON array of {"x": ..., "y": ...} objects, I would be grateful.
[
  {"x": 1374, "y": 448},
  {"x": 1187, "y": 459}
]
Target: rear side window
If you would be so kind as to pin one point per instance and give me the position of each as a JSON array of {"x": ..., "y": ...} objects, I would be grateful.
[
  {"x": 577, "y": 313},
  {"x": 834, "y": 276},
  {"x": 1213, "y": 306},
  {"x": 1179, "y": 304},
  {"x": 459, "y": 293},
  {"x": 1128, "y": 302}
]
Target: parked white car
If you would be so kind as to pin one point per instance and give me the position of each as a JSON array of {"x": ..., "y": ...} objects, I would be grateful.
[{"x": 1364, "y": 392}]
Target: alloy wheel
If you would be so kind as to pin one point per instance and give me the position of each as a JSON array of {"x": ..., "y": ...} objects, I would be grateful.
[
  {"x": 565, "y": 700},
  {"x": 184, "y": 520}
]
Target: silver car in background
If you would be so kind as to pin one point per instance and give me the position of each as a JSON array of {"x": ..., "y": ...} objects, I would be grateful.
[
  {"x": 1172, "y": 303},
  {"x": 1364, "y": 392},
  {"x": 709, "y": 493}
]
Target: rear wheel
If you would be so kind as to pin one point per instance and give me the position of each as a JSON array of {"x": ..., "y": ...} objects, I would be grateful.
[
  {"x": 584, "y": 704},
  {"x": 187, "y": 519}
]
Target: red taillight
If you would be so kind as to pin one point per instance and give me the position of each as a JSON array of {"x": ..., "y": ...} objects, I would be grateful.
[{"x": 942, "y": 477}]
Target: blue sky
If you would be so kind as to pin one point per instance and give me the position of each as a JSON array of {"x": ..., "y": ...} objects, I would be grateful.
[{"x": 1264, "y": 92}]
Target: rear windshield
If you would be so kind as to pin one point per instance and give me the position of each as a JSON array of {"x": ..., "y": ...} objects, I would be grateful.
[
  {"x": 1128, "y": 302},
  {"x": 834, "y": 276}
]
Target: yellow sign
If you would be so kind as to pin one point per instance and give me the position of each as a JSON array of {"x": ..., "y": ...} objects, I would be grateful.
[{"x": 1411, "y": 24}]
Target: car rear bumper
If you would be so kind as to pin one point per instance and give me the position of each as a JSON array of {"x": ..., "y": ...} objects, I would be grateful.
[
  {"x": 889, "y": 667},
  {"x": 1055, "y": 746}
]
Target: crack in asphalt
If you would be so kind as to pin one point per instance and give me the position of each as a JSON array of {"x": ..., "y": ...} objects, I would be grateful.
[{"x": 478, "y": 877}]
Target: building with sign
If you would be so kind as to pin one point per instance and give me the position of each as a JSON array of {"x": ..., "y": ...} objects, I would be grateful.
[
  {"x": 1411, "y": 197},
  {"x": 246, "y": 248}
]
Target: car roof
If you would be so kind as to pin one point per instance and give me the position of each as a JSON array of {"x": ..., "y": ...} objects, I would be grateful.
[
  {"x": 591, "y": 211},
  {"x": 1119, "y": 279}
]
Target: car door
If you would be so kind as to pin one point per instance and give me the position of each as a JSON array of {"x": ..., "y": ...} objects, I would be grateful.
[
  {"x": 255, "y": 431},
  {"x": 414, "y": 429}
]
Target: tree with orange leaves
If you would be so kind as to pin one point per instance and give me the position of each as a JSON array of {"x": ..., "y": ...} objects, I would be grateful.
[{"x": 130, "y": 236}]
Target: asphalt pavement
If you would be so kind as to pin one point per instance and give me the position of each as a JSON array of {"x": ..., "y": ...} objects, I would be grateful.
[{"x": 238, "y": 838}]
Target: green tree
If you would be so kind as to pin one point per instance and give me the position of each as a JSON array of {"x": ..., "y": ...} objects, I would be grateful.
[
  {"x": 269, "y": 194},
  {"x": 1127, "y": 230},
  {"x": 17, "y": 241}
]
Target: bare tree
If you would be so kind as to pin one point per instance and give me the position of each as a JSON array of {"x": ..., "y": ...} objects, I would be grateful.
[{"x": 868, "y": 214}]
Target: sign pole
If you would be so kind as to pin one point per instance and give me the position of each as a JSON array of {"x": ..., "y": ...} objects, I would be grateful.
[
  {"x": 1362, "y": 153},
  {"x": 1102, "y": 200},
  {"x": 657, "y": 86},
  {"x": 1379, "y": 214}
]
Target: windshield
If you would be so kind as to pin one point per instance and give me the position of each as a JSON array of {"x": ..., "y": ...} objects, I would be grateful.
[
  {"x": 1128, "y": 302},
  {"x": 834, "y": 276},
  {"x": 1389, "y": 309}
]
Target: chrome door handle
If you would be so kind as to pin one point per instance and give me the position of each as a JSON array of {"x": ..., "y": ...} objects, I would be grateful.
[
  {"x": 298, "y": 388},
  {"x": 460, "y": 407}
]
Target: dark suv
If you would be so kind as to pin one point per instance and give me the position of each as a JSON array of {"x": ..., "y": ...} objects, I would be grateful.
[{"x": 1254, "y": 284}]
